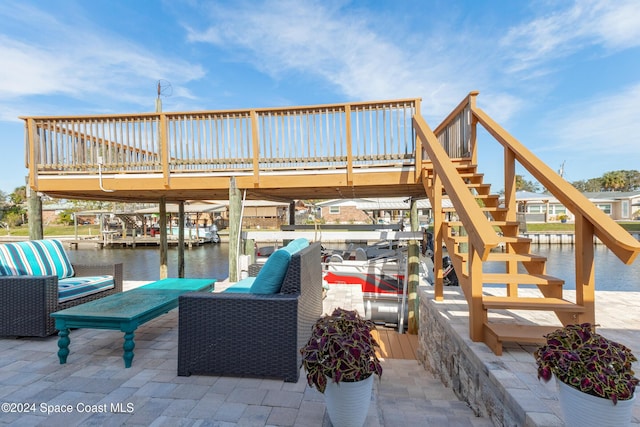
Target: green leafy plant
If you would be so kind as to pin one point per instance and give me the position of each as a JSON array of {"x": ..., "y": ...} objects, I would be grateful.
[
  {"x": 341, "y": 348},
  {"x": 587, "y": 361}
]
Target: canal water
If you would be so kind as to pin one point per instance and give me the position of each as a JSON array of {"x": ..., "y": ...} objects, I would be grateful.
[{"x": 212, "y": 261}]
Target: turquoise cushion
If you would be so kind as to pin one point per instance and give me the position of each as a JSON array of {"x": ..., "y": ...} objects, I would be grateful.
[
  {"x": 297, "y": 245},
  {"x": 35, "y": 258},
  {"x": 241, "y": 287},
  {"x": 269, "y": 279},
  {"x": 76, "y": 287}
]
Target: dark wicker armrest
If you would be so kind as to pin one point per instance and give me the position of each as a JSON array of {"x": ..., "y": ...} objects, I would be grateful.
[
  {"x": 255, "y": 268},
  {"x": 114, "y": 270},
  {"x": 238, "y": 335},
  {"x": 27, "y": 302}
]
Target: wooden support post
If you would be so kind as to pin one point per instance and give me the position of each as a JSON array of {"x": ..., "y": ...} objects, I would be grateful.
[
  {"x": 235, "y": 208},
  {"x": 35, "y": 215},
  {"x": 250, "y": 249},
  {"x": 477, "y": 314},
  {"x": 164, "y": 247},
  {"x": 438, "y": 215},
  {"x": 585, "y": 270},
  {"x": 292, "y": 212},
  {"x": 181, "y": 239},
  {"x": 413, "y": 215},
  {"x": 413, "y": 283}
]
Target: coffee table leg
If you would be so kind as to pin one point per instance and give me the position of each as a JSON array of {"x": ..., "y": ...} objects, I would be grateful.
[
  {"x": 128, "y": 347},
  {"x": 63, "y": 345}
]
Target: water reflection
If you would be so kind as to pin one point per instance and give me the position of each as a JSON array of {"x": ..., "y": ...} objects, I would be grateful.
[
  {"x": 143, "y": 263},
  {"x": 611, "y": 273},
  {"x": 212, "y": 261}
]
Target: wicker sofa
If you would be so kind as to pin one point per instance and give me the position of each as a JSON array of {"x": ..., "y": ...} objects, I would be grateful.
[
  {"x": 37, "y": 279},
  {"x": 248, "y": 334}
]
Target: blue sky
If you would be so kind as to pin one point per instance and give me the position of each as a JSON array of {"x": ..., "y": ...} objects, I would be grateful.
[{"x": 563, "y": 77}]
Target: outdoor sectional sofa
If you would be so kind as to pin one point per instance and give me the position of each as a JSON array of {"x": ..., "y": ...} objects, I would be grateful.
[
  {"x": 37, "y": 279},
  {"x": 243, "y": 333}
]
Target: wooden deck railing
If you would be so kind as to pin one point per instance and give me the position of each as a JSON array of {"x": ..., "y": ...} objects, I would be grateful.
[{"x": 251, "y": 141}]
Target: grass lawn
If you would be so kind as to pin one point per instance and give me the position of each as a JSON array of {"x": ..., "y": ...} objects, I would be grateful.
[
  {"x": 94, "y": 230},
  {"x": 569, "y": 227},
  {"x": 55, "y": 230}
]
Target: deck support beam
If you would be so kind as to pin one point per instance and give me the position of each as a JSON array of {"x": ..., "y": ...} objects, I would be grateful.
[
  {"x": 181, "y": 223},
  {"x": 235, "y": 209},
  {"x": 35, "y": 215},
  {"x": 164, "y": 246}
]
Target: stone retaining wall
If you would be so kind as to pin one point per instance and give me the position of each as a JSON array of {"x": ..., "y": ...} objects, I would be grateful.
[{"x": 472, "y": 371}]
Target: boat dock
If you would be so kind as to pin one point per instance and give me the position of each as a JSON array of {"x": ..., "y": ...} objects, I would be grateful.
[{"x": 131, "y": 242}]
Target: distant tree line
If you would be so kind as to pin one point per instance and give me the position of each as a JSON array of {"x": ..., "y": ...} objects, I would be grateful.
[
  {"x": 13, "y": 207},
  {"x": 620, "y": 180}
]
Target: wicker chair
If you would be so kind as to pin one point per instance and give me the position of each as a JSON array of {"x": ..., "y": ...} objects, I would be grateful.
[
  {"x": 28, "y": 301},
  {"x": 240, "y": 334}
]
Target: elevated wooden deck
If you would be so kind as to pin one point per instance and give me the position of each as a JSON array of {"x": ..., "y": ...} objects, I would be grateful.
[{"x": 338, "y": 151}]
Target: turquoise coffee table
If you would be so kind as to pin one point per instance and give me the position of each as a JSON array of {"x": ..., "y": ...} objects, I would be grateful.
[{"x": 125, "y": 311}]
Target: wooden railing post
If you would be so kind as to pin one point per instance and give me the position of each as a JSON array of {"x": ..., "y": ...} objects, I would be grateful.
[
  {"x": 256, "y": 147},
  {"x": 32, "y": 161},
  {"x": 164, "y": 150},
  {"x": 510, "y": 203},
  {"x": 347, "y": 112},
  {"x": 585, "y": 269},
  {"x": 420, "y": 153},
  {"x": 474, "y": 128}
]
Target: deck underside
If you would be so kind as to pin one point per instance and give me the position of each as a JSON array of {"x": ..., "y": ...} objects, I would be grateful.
[{"x": 281, "y": 186}]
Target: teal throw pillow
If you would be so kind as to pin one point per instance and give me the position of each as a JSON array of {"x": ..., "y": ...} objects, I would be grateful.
[
  {"x": 297, "y": 245},
  {"x": 269, "y": 279}
]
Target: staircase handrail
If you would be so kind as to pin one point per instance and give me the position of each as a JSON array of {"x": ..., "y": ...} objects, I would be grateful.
[
  {"x": 614, "y": 236},
  {"x": 481, "y": 234}
]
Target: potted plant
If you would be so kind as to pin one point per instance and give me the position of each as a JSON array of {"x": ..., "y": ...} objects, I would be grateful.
[
  {"x": 563, "y": 217},
  {"x": 340, "y": 361},
  {"x": 589, "y": 367}
]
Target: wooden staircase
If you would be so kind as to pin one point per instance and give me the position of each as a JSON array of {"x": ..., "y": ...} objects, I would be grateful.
[
  {"x": 521, "y": 267},
  {"x": 481, "y": 230}
]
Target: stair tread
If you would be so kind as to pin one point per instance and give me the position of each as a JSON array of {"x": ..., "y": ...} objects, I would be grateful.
[
  {"x": 523, "y": 279},
  {"x": 530, "y": 303},
  {"x": 502, "y": 239},
  {"x": 506, "y": 256},
  {"x": 519, "y": 332},
  {"x": 482, "y": 208}
]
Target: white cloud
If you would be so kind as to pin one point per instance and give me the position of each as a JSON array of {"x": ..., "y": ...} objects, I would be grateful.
[
  {"x": 609, "y": 122},
  {"x": 612, "y": 25},
  {"x": 354, "y": 52},
  {"x": 48, "y": 56}
]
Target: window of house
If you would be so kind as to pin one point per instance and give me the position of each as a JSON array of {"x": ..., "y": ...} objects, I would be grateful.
[
  {"x": 625, "y": 209},
  {"x": 334, "y": 210},
  {"x": 605, "y": 207}
]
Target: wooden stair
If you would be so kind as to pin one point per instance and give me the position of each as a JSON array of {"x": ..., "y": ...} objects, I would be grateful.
[{"x": 515, "y": 252}]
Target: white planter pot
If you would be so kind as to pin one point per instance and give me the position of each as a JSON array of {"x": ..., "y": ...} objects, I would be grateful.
[
  {"x": 583, "y": 410},
  {"x": 347, "y": 402}
]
